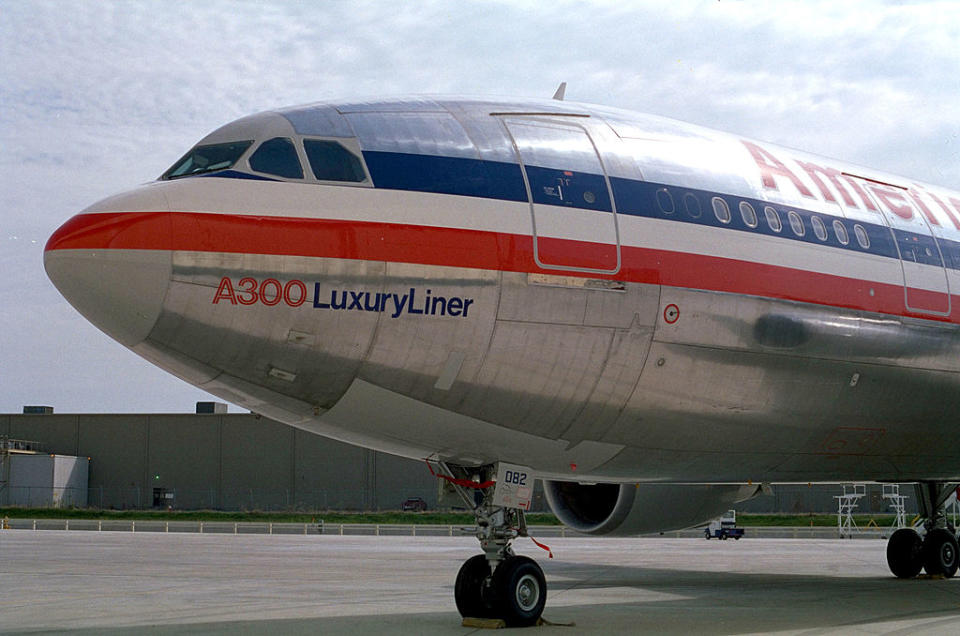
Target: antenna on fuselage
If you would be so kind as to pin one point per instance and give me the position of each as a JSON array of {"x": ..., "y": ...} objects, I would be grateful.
[{"x": 560, "y": 91}]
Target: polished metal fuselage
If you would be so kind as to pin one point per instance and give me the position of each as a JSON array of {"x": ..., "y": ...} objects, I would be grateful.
[
  {"x": 575, "y": 369},
  {"x": 581, "y": 381}
]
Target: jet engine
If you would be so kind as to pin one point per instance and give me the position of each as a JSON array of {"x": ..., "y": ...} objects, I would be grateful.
[{"x": 631, "y": 509}]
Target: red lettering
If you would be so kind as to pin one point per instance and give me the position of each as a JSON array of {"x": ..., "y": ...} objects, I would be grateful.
[
  {"x": 287, "y": 298},
  {"x": 225, "y": 292},
  {"x": 250, "y": 288},
  {"x": 813, "y": 171},
  {"x": 923, "y": 207},
  {"x": 270, "y": 292},
  {"x": 943, "y": 206},
  {"x": 867, "y": 201},
  {"x": 894, "y": 200},
  {"x": 277, "y": 292},
  {"x": 771, "y": 167},
  {"x": 955, "y": 203}
]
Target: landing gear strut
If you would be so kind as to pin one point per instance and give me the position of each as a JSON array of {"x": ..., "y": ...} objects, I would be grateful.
[
  {"x": 497, "y": 583},
  {"x": 936, "y": 552}
]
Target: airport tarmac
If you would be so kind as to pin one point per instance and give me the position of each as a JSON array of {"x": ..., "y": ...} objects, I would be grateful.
[{"x": 121, "y": 582}]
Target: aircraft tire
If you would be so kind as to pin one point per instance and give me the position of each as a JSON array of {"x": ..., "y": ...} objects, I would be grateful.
[
  {"x": 941, "y": 554},
  {"x": 905, "y": 554},
  {"x": 521, "y": 591},
  {"x": 468, "y": 590}
]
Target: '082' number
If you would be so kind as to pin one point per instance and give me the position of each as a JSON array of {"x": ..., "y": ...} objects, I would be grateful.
[{"x": 515, "y": 477}]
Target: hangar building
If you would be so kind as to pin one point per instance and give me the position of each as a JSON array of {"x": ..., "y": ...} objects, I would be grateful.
[{"x": 220, "y": 461}]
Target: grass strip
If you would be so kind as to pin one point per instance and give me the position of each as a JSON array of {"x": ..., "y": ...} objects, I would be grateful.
[
  {"x": 389, "y": 517},
  {"x": 328, "y": 516}
]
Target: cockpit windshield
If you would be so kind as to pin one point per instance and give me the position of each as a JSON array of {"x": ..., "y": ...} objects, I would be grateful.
[{"x": 209, "y": 158}]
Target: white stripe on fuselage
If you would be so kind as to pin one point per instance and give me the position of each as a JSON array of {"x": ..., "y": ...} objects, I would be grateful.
[{"x": 280, "y": 199}]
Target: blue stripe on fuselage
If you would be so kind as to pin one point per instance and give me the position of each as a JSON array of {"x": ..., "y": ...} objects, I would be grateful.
[
  {"x": 504, "y": 181},
  {"x": 233, "y": 174},
  {"x": 501, "y": 180},
  {"x": 639, "y": 198},
  {"x": 446, "y": 175}
]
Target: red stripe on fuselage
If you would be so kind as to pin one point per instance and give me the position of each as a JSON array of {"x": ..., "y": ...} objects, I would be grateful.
[{"x": 428, "y": 245}]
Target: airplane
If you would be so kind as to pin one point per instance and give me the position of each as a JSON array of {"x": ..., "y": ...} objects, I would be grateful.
[{"x": 655, "y": 319}]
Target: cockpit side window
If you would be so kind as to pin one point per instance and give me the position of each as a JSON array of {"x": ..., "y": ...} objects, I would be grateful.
[
  {"x": 208, "y": 158},
  {"x": 330, "y": 161},
  {"x": 278, "y": 157}
]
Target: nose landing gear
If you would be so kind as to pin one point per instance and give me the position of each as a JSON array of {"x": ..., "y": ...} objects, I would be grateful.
[
  {"x": 937, "y": 552},
  {"x": 497, "y": 583}
]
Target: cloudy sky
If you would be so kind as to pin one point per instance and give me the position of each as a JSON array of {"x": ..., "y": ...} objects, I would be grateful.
[{"x": 96, "y": 97}]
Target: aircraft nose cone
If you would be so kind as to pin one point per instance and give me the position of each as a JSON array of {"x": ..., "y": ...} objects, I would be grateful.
[{"x": 113, "y": 268}]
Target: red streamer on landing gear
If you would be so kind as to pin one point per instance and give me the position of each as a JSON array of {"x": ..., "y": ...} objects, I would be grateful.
[
  {"x": 480, "y": 485},
  {"x": 465, "y": 483},
  {"x": 542, "y": 547}
]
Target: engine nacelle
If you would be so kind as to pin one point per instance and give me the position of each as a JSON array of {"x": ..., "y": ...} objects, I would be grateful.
[{"x": 631, "y": 509}]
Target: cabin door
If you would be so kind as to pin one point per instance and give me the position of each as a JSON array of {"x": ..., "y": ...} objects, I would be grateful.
[
  {"x": 926, "y": 285},
  {"x": 925, "y": 282},
  {"x": 574, "y": 215}
]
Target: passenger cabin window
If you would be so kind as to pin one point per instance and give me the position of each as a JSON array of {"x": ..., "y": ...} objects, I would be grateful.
[
  {"x": 819, "y": 228},
  {"x": 862, "y": 238},
  {"x": 796, "y": 223},
  {"x": 692, "y": 204},
  {"x": 278, "y": 157},
  {"x": 748, "y": 214},
  {"x": 841, "y": 231},
  {"x": 665, "y": 201},
  {"x": 209, "y": 158},
  {"x": 330, "y": 161},
  {"x": 721, "y": 210},
  {"x": 773, "y": 219}
]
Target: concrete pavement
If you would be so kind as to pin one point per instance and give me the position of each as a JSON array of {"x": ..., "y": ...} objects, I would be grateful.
[{"x": 121, "y": 582}]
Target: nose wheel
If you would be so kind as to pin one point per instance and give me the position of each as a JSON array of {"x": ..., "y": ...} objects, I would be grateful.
[
  {"x": 520, "y": 591},
  {"x": 471, "y": 590},
  {"x": 497, "y": 583},
  {"x": 515, "y": 592}
]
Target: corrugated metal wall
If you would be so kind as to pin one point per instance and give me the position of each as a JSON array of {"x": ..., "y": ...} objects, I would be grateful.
[
  {"x": 245, "y": 462},
  {"x": 217, "y": 461}
]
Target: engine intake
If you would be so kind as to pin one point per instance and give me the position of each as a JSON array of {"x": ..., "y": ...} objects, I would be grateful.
[{"x": 631, "y": 509}]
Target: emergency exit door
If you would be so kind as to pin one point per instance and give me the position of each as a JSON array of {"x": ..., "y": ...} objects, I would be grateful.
[{"x": 572, "y": 208}]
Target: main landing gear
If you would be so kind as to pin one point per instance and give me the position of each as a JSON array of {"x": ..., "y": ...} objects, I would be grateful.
[
  {"x": 936, "y": 552},
  {"x": 497, "y": 583}
]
